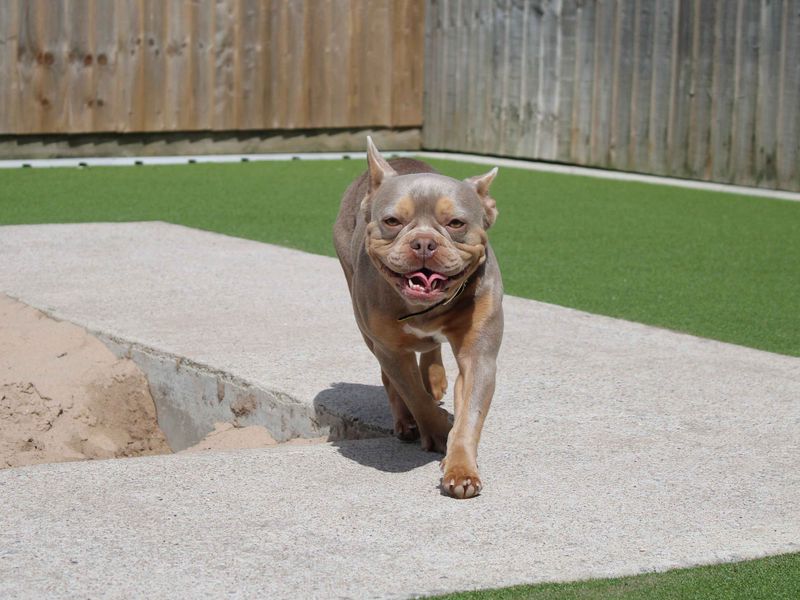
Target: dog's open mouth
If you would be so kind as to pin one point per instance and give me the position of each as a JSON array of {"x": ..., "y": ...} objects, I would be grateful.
[
  {"x": 423, "y": 284},
  {"x": 425, "y": 280}
]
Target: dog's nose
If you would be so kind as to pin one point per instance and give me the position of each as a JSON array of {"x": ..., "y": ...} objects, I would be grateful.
[{"x": 424, "y": 246}]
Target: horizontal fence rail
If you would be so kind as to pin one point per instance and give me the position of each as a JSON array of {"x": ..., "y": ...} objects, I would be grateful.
[
  {"x": 78, "y": 66},
  {"x": 704, "y": 89}
]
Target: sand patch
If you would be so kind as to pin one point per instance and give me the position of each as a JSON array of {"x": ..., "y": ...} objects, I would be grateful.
[
  {"x": 226, "y": 436},
  {"x": 65, "y": 396}
]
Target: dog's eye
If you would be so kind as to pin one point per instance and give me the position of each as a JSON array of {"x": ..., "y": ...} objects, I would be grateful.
[
  {"x": 391, "y": 222},
  {"x": 455, "y": 224}
]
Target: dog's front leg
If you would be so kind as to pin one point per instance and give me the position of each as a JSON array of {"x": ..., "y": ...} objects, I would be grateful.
[
  {"x": 476, "y": 355},
  {"x": 403, "y": 373}
]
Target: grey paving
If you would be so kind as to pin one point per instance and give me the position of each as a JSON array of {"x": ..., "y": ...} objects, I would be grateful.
[{"x": 612, "y": 447}]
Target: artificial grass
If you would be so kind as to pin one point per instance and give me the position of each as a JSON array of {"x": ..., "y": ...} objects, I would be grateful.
[
  {"x": 773, "y": 578},
  {"x": 716, "y": 265}
]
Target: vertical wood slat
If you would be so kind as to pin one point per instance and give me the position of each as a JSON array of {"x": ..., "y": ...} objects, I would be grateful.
[
  {"x": 769, "y": 43},
  {"x": 74, "y": 63},
  {"x": 583, "y": 84},
  {"x": 701, "y": 90},
  {"x": 788, "y": 126},
  {"x": 622, "y": 84},
  {"x": 567, "y": 49},
  {"x": 104, "y": 89},
  {"x": 662, "y": 58},
  {"x": 8, "y": 60},
  {"x": 547, "y": 28},
  {"x": 408, "y": 37},
  {"x": 681, "y": 94},
  {"x": 742, "y": 158},
  {"x": 723, "y": 91},
  {"x": 602, "y": 79},
  {"x": 129, "y": 109},
  {"x": 529, "y": 108},
  {"x": 641, "y": 90}
]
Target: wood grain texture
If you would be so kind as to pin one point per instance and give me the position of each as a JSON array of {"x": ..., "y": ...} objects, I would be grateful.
[
  {"x": 80, "y": 66},
  {"x": 706, "y": 89}
]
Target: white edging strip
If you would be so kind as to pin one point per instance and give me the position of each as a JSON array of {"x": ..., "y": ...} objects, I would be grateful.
[
  {"x": 472, "y": 158},
  {"x": 129, "y": 161}
]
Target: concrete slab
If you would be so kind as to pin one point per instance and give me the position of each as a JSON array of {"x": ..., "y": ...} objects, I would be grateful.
[{"x": 612, "y": 447}]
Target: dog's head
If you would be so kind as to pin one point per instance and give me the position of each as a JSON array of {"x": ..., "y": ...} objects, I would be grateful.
[{"x": 426, "y": 233}]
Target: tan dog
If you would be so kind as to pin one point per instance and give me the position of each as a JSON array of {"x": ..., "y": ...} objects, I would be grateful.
[{"x": 420, "y": 270}]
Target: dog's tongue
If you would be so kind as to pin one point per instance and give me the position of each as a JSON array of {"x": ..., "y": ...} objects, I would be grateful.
[{"x": 427, "y": 281}]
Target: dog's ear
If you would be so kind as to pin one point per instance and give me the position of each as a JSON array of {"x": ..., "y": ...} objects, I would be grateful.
[
  {"x": 379, "y": 169},
  {"x": 481, "y": 185}
]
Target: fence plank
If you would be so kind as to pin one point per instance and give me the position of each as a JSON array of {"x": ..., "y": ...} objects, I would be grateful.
[
  {"x": 701, "y": 91},
  {"x": 742, "y": 158},
  {"x": 104, "y": 88},
  {"x": 514, "y": 91},
  {"x": 788, "y": 127},
  {"x": 602, "y": 79},
  {"x": 9, "y": 50},
  {"x": 250, "y": 64},
  {"x": 407, "y": 61},
  {"x": 567, "y": 49},
  {"x": 680, "y": 90},
  {"x": 48, "y": 75},
  {"x": 547, "y": 33},
  {"x": 764, "y": 169},
  {"x": 660, "y": 83},
  {"x": 723, "y": 90},
  {"x": 82, "y": 15},
  {"x": 583, "y": 84},
  {"x": 621, "y": 85},
  {"x": 641, "y": 90}
]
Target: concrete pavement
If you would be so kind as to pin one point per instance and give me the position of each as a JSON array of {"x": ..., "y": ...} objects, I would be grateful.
[{"x": 611, "y": 448}]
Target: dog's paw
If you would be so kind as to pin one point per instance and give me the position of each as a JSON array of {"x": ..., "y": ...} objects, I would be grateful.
[
  {"x": 434, "y": 442},
  {"x": 406, "y": 430},
  {"x": 433, "y": 434},
  {"x": 460, "y": 481},
  {"x": 438, "y": 382}
]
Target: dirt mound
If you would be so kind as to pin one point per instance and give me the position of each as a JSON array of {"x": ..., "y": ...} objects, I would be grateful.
[{"x": 65, "y": 396}]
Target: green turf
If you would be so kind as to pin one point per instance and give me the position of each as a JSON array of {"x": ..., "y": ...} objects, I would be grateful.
[
  {"x": 712, "y": 264},
  {"x": 773, "y": 578}
]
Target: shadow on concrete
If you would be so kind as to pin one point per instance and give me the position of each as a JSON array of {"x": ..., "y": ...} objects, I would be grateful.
[
  {"x": 355, "y": 411},
  {"x": 388, "y": 454}
]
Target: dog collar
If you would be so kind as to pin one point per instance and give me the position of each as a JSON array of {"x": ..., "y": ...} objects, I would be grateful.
[{"x": 444, "y": 302}]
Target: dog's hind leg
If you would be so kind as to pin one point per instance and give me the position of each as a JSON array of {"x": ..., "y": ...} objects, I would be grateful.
[
  {"x": 433, "y": 376},
  {"x": 405, "y": 427}
]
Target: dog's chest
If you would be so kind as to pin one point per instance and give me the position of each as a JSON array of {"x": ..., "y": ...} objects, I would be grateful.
[{"x": 425, "y": 334}]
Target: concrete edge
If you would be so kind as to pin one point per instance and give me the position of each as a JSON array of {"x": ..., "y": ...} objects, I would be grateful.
[{"x": 190, "y": 397}]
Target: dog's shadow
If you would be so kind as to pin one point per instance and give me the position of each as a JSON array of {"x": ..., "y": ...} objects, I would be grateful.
[{"x": 355, "y": 411}]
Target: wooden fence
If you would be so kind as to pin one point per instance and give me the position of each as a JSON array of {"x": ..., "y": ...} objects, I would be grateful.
[
  {"x": 705, "y": 89},
  {"x": 70, "y": 66}
]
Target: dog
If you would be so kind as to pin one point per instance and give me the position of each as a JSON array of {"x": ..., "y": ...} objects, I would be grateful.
[{"x": 413, "y": 247}]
